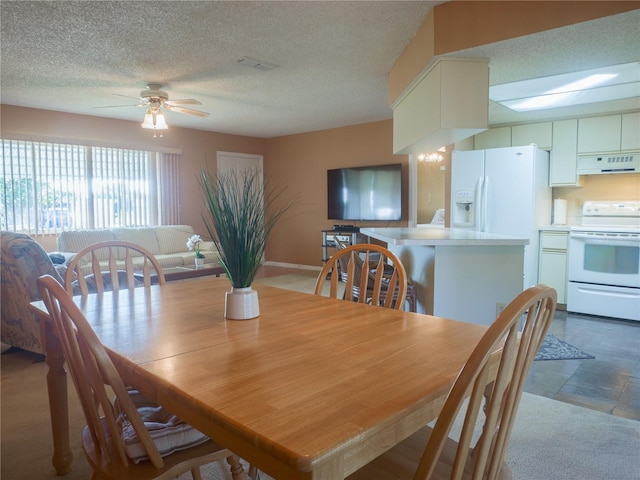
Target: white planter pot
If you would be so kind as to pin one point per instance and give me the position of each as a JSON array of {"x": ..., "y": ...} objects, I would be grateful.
[
  {"x": 241, "y": 304},
  {"x": 199, "y": 262}
]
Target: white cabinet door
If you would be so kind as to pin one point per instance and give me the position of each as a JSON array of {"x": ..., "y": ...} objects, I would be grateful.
[
  {"x": 538, "y": 133},
  {"x": 493, "y": 138},
  {"x": 553, "y": 272},
  {"x": 630, "y": 132},
  {"x": 599, "y": 134},
  {"x": 564, "y": 154},
  {"x": 553, "y": 262}
]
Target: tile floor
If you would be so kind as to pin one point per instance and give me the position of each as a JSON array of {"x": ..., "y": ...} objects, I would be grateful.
[{"x": 609, "y": 383}]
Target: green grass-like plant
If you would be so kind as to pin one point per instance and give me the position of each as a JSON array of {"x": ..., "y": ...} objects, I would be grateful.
[{"x": 241, "y": 214}]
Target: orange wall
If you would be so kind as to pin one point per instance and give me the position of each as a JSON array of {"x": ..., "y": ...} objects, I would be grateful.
[
  {"x": 458, "y": 25},
  {"x": 300, "y": 162}
]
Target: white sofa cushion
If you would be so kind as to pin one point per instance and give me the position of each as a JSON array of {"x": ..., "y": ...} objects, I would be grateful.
[
  {"x": 145, "y": 237},
  {"x": 173, "y": 238},
  {"x": 76, "y": 240}
]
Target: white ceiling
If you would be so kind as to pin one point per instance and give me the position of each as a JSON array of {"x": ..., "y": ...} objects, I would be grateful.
[{"x": 333, "y": 59}]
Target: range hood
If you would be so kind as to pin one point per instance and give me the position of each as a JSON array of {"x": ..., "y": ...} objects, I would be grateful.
[
  {"x": 447, "y": 103},
  {"x": 609, "y": 163}
]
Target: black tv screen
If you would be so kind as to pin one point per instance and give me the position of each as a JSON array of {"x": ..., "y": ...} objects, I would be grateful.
[{"x": 365, "y": 193}]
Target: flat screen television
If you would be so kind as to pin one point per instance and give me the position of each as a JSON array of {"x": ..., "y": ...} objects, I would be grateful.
[{"x": 365, "y": 193}]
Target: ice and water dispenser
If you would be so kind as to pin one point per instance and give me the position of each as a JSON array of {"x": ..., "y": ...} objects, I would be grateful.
[{"x": 464, "y": 208}]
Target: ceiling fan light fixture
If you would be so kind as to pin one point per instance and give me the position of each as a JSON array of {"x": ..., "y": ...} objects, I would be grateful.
[{"x": 154, "y": 120}]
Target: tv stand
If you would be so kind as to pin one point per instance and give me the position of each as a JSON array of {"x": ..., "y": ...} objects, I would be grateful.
[
  {"x": 345, "y": 228},
  {"x": 350, "y": 236}
]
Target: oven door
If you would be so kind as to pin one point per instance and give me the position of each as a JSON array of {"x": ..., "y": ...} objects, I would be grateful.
[{"x": 604, "y": 258}]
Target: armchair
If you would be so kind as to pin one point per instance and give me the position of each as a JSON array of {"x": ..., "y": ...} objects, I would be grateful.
[{"x": 22, "y": 261}]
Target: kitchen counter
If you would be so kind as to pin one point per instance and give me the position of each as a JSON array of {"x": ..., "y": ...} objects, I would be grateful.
[
  {"x": 459, "y": 274},
  {"x": 555, "y": 228},
  {"x": 432, "y": 236}
]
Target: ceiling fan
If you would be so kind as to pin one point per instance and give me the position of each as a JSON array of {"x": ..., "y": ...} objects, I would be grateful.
[
  {"x": 154, "y": 99},
  {"x": 153, "y": 96}
]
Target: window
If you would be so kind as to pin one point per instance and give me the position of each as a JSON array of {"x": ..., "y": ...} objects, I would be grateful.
[{"x": 48, "y": 187}]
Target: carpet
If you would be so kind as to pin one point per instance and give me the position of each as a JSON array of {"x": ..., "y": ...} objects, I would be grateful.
[{"x": 553, "y": 348}]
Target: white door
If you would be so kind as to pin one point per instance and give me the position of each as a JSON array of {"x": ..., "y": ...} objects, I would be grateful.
[
  {"x": 241, "y": 161},
  {"x": 228, "y": 161},
  {"x": 467, "y": 172}
]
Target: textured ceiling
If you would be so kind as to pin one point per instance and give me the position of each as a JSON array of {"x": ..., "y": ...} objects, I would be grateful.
[{"x": 332, "y": 57}]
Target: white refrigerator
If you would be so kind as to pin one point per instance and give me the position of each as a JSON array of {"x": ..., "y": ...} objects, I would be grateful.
[{"x": 503, "y": 191}]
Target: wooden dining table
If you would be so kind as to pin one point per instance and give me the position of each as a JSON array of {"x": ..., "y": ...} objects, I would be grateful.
[{"x": 313, "y": 388}]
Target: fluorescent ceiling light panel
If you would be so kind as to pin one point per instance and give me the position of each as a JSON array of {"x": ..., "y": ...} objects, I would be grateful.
[{"x": 590, "y": 86}]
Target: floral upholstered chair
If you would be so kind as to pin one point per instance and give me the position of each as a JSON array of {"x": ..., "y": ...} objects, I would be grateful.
[{"x": 22, "y": 261}]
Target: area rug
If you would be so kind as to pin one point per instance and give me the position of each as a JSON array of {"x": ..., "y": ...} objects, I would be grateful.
[{"x": 555, "y": 349}]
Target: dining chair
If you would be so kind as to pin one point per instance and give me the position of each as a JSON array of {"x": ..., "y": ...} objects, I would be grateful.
[
  {"x": 129, "y": 438},
  {"x": 411, "y": 295},
  {"x": 361, "y": 267},
  {"x": 500, "y": 360},
  {"x": 111, "y": 265}
]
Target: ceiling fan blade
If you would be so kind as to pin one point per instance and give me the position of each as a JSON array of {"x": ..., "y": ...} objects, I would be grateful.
[
  {"x": 116, "y": 106},
  {"x": 183, "y": 101},
  {"x": 188, "y": 111},
  {"x": 137, "y": 99}
]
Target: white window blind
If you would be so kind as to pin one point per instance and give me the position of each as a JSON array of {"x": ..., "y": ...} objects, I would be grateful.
[{"x": 48, "y": 187}]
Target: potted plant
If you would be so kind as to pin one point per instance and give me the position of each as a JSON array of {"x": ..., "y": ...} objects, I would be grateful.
[
  {"x": 241, "y": 215},
  {"x": 193, "y": 243}
]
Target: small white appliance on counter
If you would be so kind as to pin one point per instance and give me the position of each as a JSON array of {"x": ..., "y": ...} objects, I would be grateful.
[
  {"x": 503, "y": 191},
  {"x": 604, "y": 261}
]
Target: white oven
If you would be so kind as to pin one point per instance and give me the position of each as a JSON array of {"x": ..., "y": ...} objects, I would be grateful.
[{"x": 604, "y": 262}]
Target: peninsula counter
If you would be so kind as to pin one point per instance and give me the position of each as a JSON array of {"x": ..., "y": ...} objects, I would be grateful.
[{"x": 460, "y": 274}]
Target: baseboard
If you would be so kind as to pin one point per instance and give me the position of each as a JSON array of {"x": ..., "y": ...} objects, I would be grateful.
[{"x": 293, "y": 265}]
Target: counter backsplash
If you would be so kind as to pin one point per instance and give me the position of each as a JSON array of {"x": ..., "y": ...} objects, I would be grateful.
[{"x": 619, "y": 186}]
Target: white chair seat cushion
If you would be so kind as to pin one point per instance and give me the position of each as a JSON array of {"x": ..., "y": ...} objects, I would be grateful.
[{"x": 169, "y": 433}]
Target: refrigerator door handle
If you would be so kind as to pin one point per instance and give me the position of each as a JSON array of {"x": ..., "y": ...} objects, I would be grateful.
[
  {"x": 478, "y": 207},
  {"x": 485, "y": 190}
]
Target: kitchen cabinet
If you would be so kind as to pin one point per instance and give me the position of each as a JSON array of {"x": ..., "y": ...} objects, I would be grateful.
[
  {"x": 538, "y": 133},
  {"x": 553, "y": 261},
  {"x": 630, "y": 137},
  {"x": 446, "y": 104},
  {"x": 493, "y": 138},
  {"x": 599, "y": 134},
  {"x": 564, "y": 154}
]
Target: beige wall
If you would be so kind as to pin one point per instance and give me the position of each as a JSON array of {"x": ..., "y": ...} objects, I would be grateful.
[
  {"x": 301, "y": 161},
  {"x": 198, "y": 147},
  {"x": 297, "y": 162},
  {"x": 619, "y": 186},
  {"x": 431, "y": 189}
]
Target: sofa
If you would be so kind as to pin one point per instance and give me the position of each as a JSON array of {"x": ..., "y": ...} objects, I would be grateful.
[
  {"x": 22, "y": 261},
  {"x": 168, "y": 243}
]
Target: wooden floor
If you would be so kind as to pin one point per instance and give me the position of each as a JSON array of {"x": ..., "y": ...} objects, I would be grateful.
[{"x": 608, "y": 383}]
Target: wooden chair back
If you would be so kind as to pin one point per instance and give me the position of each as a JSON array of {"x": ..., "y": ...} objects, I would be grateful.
[
  {"x": 92, "y": 370},
  {"x": 496, "y": 370},
  {"x": 107, "y": 265},
  {"x": 97, "y": 380},
  {"x": 537, "y": 306},
  {"x": 365, "y": 267}
]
